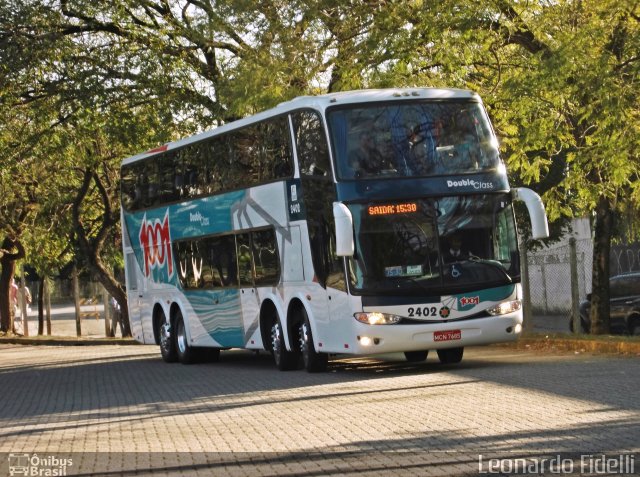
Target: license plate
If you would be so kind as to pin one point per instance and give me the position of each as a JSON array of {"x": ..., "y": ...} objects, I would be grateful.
[{"x": 447, "y": 335}]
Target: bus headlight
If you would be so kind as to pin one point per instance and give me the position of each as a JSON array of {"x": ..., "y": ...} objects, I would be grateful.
[
  {"x": 376, "y": 318},
  {"x": 505, "y": 307}
]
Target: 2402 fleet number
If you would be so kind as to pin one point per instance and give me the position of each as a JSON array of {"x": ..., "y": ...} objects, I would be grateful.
[{"x": 425, "y": 311}]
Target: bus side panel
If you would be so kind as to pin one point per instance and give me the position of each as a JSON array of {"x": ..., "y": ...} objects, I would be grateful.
[
  {"x": 133, "y": 278},
  {"x": 251, "y": 301},
  {"x": 341, "y": 337},
  {"x": 216, "y": 316},
  {"x": 260, "y": 206},
  {"x": 291, "y": 254}
]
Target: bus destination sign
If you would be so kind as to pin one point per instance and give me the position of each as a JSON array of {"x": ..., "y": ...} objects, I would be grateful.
[{"x": 392, "y": 209}]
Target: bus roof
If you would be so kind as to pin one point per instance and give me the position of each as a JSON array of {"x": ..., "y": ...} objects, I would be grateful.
[{"x": 320, "y": 103}]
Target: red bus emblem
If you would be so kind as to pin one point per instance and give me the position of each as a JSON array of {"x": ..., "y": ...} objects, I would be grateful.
[
  {"x": 469, "y": 300},
  {"x": 156, "y": 244}
]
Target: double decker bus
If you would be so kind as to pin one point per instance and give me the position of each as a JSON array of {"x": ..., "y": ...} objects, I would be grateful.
[{"x": 359, "y": 222}]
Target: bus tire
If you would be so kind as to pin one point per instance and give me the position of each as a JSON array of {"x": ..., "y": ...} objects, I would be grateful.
[
  {"x": 285, "y": 360},
  {"x": 416, "y": 356},
  {"x": 450, "y": 355},
  {"x": 312, "y": 361},
  {"x": 186, "y": 353},
  {"x": 167, "y": 342}
]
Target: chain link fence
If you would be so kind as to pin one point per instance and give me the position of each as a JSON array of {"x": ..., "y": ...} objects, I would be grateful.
[{"x": 550, "y": 277}]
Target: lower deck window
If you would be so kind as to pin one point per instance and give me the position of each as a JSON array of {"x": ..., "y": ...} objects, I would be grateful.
[{"x": 230, "y": 260}]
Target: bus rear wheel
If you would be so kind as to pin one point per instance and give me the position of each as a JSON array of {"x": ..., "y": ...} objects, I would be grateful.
[
  {"x": 285, "y": 360},
  {"x": 167, "y": 342},
  {"x": 312, "y": 361},
  {"x": 450, "y": 355},
  {"x": 416, "y": 356},
  {"x": 186, "y": 353}
]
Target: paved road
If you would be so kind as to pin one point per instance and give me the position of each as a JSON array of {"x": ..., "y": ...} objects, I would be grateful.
[{"x": 112, "y": 410}]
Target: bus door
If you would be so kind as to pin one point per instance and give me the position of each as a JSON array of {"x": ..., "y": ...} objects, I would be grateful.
[{"x": 134, "y": 295}]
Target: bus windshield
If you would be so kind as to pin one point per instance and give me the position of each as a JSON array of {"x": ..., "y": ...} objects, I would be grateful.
[
  {"x": 431, "y": 245},
  {"x": 411, "y": 139}
]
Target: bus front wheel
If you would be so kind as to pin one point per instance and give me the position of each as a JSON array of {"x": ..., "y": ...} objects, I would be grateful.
[
  {"x": 450, "y": 355},
  {"x": 285, "y": 360},
  {"x": 313, "y": 361}
]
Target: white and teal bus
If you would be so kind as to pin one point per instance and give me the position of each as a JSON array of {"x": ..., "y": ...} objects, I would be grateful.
[{"x": 356, "y": 223}]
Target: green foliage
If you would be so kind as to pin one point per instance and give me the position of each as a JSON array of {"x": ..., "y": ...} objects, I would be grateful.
[{"x": 86, "y": 83}]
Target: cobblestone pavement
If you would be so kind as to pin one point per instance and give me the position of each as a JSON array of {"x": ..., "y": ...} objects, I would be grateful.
[{"x": 119, "y": 410}]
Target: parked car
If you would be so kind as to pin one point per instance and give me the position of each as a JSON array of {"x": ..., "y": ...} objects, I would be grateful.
[{"x": 624, "y": 305}]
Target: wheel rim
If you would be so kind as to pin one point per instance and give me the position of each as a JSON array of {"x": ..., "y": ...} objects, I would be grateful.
[
  {"x": 164, "y": 337},
  {"x": 304, "y": 343},
  {"x": 181, "y": 338},
  {"x": 275, "y": 342}
]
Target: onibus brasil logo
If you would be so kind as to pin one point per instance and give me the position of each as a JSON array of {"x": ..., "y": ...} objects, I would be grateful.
[
  {"x": 32, "y": 465},
  {"x": 156, "y": 244}
]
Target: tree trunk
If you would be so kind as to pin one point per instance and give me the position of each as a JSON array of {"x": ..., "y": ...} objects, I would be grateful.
[
  {"x": 47, "y": 303},
  {"x": 91, "y": 248},
  {"x": 599, "y": 314},
  {"x": 107, "y": 313},
  {"x": 8, "y": 263},
  {"x": 41, "y": 306},
  {"x": 6, "y": 307},
  {"x": 76, "y": 300}
]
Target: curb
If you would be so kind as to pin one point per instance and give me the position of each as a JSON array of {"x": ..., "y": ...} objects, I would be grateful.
[{"x": 66, "y": 341}]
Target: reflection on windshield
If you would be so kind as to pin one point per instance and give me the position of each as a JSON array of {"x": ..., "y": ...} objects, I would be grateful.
[
  {"x": 429, "y": 245},
  {"x": 412, "y": 139}
]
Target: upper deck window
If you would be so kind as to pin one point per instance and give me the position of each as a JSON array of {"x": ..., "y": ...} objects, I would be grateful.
[
  {"x": 246, "y": 157},
  {"x": 411, "y": 139}
]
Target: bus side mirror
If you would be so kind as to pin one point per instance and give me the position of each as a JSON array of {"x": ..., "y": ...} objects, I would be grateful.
[
  {"x": 539, "y": 225},
  {"x": 344, "y": 230}
]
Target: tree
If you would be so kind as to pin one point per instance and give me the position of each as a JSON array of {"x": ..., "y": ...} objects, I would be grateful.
[
  {"x": 579, "y": 95},
  {"x": 22, "y": 138},
  {"x": 100, "y": 143},
  {"x": 559, "y": 78},
  {"x": 561, "y": 82},
  {"x": 57, "y": 96}
]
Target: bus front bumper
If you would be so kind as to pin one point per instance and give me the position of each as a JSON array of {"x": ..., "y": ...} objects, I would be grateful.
[{"x": 371, "y": 339}]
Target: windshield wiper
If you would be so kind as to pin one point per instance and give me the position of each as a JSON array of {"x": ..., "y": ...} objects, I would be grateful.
[
  {"x": 415, "y": 281},
  {"x": 492, "y": 264}
]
